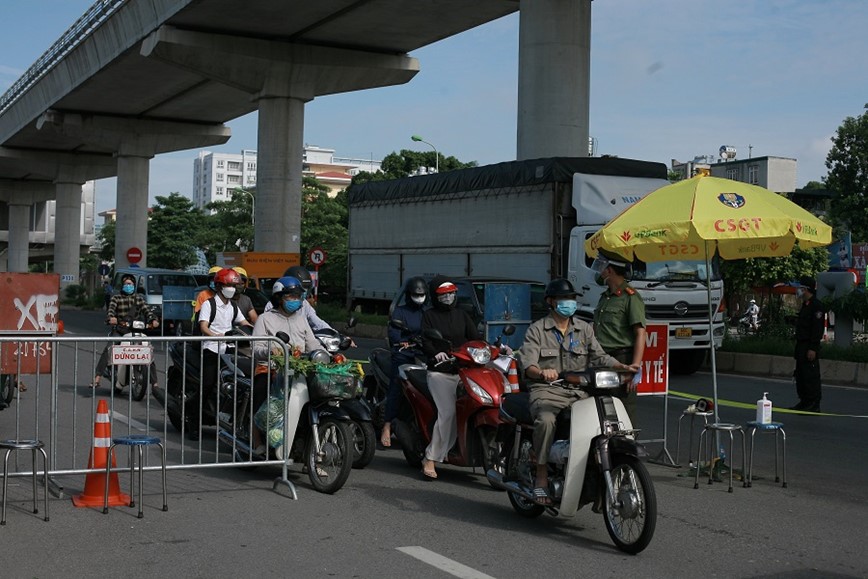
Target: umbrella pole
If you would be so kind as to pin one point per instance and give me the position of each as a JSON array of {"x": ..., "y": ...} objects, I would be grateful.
[{"x": 711, "y": 331}]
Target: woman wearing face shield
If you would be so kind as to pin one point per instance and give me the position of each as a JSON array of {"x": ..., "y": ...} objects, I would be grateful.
[{"x": 456, "y": 327}]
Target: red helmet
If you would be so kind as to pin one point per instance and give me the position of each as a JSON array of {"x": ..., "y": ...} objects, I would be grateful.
[
  {"x": 227, "y": 276},
  {"x": 445, "y": 288}
]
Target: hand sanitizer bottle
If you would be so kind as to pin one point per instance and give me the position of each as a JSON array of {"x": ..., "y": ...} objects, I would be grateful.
[{"x": 764, "y": 410}]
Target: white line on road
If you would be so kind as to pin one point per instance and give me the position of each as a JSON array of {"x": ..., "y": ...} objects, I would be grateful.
[
  {"x": 440, "y": 562},
  {"x": 131, "y": 421}
]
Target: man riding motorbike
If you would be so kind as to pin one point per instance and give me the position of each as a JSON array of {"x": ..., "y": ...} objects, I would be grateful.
[
  {"x": 287, "y": 297},
  {"x": 554, "y": 344}
]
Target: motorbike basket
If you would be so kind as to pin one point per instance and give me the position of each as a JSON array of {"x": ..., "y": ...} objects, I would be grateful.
[{"x": 325, "y": 385}]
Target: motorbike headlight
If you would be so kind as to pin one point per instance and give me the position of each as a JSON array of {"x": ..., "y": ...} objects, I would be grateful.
[
  {"x": 320, "y": 357},
  {"x": 479, "y": 391},
  {"x": 331, "y": 343},
  {"x": 606, "y": 379},
  {"x": 481, "y": 356},
  {"x": 138, "y": 325}
]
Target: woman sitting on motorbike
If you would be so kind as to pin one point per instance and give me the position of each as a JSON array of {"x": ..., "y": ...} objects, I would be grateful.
[
  {"x": 456, "y": 327},
  {"x": 287, "y": 296}
]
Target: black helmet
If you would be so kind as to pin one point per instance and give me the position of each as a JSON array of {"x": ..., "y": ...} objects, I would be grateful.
[
  {"x": 416, "y": 286},
  {"x": 560, "y": 288},
  {"x": 301, "y": 274}
]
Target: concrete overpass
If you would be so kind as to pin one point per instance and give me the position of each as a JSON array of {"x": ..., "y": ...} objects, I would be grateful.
[{"x": 135, "y": 78}]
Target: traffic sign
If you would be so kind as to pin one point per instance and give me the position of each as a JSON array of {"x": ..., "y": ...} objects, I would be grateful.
[
  {"x": 317, "y": 256},
  {"x": 134, "y": 255},
  {"x": 104, "y": 269}
]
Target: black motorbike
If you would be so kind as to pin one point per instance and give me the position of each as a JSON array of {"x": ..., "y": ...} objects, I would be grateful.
[{"x": 358, "y": 408}]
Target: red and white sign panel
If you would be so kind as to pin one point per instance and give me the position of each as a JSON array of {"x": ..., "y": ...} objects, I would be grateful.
[
  {"x": 131, "y": 355},
  {"x": 317, "y": 256},
  {"x": 29, "y": 306},
  {"x": 134, "y": 255},
  {"x": 655, "y": 363}
]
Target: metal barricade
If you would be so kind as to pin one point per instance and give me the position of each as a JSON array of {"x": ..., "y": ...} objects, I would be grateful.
[{"x": 60, "y": 405}]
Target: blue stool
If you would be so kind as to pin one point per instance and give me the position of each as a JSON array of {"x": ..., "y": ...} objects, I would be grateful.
[
  {"x": 33, "y": 446},
  {"x": 711, "y": 451},
  {"x": 139, "y": 441},
  {"x": 775, "y": 427}
]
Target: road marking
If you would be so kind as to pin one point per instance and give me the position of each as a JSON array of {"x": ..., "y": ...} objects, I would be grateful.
[
  {"x": 440, "y": 562},
  {"x": 734, "y": 404},
  {"x": 131, "y": 421}
]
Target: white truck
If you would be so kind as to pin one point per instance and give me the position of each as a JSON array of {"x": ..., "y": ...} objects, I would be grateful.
[{"x": 525, "y": 220}]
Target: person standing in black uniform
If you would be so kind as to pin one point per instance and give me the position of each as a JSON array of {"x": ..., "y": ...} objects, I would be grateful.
[{"x": 809, "y": 332}]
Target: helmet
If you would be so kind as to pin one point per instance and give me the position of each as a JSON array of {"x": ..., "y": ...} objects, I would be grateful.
[
  {"x": 241, "y": 271},
  {"x": 445, "y": 288},
  {"x": 287, "y": 285},
  {"x": 753, "y": 301},
  {"x": 227, "y": 277},
  {"x": 301, "y": 274},
  {"x": 560, "y": 288},
  {"x": 214, "y": 270},
  {"x": 605, "y": 259},
  {"x": 416, "y": 286}
]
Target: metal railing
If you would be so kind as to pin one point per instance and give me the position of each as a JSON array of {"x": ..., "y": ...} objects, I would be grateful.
[{"x": 75, "y": 34}]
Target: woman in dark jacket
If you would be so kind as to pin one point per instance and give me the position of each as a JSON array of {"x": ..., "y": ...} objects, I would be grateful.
[{"x": 456, "y": 327}]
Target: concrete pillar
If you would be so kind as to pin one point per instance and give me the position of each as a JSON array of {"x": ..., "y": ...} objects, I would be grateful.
[
  {"x": 132, "y": 207},
  {"x": 67, "y": 232},
  {"x": 19, "y": 237},
  {"x": 554, "y": 64},
  {"x": 279, "y": 174}
]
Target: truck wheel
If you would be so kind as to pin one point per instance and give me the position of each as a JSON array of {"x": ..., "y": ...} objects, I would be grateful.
[{"x": 685, "y": 362}]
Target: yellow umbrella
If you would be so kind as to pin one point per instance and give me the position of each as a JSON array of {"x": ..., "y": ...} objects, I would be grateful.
[
  {"x": 693, "y": 218},
  {"x": 690, "y": 217}
]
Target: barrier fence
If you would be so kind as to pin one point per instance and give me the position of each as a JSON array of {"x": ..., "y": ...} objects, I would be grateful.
[{"x": 59, "y": 407}]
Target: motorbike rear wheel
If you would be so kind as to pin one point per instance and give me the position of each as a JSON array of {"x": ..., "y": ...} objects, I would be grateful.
[
  {"x": 138, "y": 384},
  {"x": 7, "y": 388},
  {"x": 522, "y": 469},
  {"x": 329, "y": 466},
  {"x": 631, "y": 525},
  {"x": 364, "y": 443}
]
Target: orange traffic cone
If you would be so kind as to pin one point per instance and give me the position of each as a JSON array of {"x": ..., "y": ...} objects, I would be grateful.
[
  {"x": 94, "y": 484},
  {"x": 512, "y": 376}
]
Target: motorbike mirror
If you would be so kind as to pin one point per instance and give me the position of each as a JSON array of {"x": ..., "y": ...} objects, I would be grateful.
[
  {"x": 346, "y": 342},
  {"x": 432, "y": 334},
  {"x": 282, "y": 336},
  {"x": 398, "y": 324},
  {"x": 509, "y": 330}
]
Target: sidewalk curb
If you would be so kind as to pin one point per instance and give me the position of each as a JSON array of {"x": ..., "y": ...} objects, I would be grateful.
[{"x": 833, "y": 371}]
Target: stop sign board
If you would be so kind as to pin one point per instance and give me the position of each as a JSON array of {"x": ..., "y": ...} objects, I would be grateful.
[
  {"x": 134, "y": 255},
  {"x": 317, "y": 256}
]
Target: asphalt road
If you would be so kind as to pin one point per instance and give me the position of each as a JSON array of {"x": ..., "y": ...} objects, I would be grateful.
[{"x": 388, "y": 522}]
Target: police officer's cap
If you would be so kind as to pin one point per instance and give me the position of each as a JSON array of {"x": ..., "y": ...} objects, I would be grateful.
[{"x": 808, "y": 282}]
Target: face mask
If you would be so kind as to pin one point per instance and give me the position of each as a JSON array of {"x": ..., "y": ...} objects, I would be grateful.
[
  {"x": 446, "y": 299},
  {"x": 418, "y": 300},
  {"x": 566, "y": 308},
  {"x": 128, "y": 288},
  {"x": 291, "y": 306},
  {"x": 228, "y": 292}
]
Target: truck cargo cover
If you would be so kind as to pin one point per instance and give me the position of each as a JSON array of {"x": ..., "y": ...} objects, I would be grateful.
[{"x": 502, "y": 175}]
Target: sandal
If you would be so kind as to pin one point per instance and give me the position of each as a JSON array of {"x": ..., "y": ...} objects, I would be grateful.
[
  {"x": 21, "y": 387},
  {"x": 386, "y": 437},
  {"x": 428, "y": 470},
  {"x": 541, "y": 497}
]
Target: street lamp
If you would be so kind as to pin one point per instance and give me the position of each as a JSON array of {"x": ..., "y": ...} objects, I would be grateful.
[
  {"x": 252, "y": 206},
  {"x": 419, "y": 139}
]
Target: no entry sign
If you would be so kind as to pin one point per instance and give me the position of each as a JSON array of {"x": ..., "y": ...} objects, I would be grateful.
[{"x": 134, "y": 255}]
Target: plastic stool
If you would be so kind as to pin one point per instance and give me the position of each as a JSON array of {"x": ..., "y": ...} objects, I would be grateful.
[
  {"x": 692, "y": 414},
  {"x": 714, "y": 428},
  {"x": 33, "y": 446},
  {"x": 775, "y": 427},
  {"x": 139, "y": 441}
]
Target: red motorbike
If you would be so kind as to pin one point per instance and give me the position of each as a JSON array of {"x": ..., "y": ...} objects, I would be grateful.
[{"x": 481, "y": 385}]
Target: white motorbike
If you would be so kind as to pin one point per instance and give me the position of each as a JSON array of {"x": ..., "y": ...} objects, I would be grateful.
[
  {"x": 594, "y": 459},
  {"x": 133, "y": 377}
]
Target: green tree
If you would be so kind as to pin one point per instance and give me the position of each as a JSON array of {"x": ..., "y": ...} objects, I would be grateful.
[
  {"x": 742, "y": 275},
  {"x": 173, "y": 229},
  {"x": 230, "y": 227},
  {"x": 847, "y": 162},
  {"x": 106, "y": 238},
  {"x": 324, "y": 224},
  {"x": 407, "y": 162}
]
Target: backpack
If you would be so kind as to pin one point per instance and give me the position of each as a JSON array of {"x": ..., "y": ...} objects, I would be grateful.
[{"x": 197, "y": 330}]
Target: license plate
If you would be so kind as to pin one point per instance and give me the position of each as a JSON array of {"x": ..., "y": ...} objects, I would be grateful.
[{"x": 683, "y": 332}]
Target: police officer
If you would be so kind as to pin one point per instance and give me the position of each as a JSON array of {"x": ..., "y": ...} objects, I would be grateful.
[
  {"x": 809, "y": 332},
  {"x": 619, "y": 320}
]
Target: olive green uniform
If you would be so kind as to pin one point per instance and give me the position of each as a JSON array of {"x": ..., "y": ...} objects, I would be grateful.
[
  {"x": 547, "y": 348},
  {"x": 616, "y": 314}
]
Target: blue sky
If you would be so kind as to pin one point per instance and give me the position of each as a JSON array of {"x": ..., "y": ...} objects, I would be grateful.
[{"x": 669, "y": 80}]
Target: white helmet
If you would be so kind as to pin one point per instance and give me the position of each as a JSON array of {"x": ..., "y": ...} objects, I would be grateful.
[{"x": 753, "y": 301}]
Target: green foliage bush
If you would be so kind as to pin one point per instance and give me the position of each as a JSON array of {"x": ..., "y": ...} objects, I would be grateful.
[{"x": 778, "y": 346}]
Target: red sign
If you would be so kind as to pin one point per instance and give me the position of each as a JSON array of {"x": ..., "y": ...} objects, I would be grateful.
[
  {"x": 134, "y": 255},
  {"x": 29, "y": 308},
  {"x": 860, "y": 260},
  {"x": 317, "y": 256},
  {"x": 654, "y": 380}
]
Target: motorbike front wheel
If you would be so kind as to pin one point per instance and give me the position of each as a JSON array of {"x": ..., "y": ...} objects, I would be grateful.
[
  {"x": 631, "y": 524},
  {"x": 138, "y": 384},
  {"x": 329, "y": 465},
  {"x": 364, "y": 443}
]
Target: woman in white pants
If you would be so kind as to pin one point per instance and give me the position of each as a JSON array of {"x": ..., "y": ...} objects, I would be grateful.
[{"x": 455, "y": 327}]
